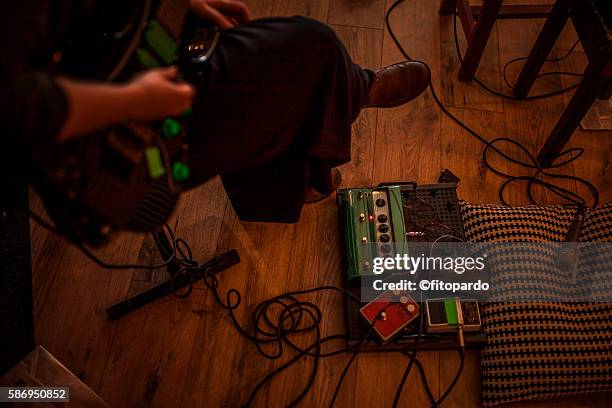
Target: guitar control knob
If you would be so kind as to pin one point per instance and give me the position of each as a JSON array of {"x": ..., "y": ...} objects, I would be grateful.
[
  {"x": 171, "y": 127},
  {"x": 180, "y": 171},
  {"x": 384, "y": 228},
  {"x": 382, "y": 218},
  {"x": 381, "y": 202},
  {"x": 384, "y": 238}
]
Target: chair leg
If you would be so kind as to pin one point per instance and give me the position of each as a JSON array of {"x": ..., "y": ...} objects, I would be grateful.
[
  {"x": 447, "y": 7},
  {"x": 478, "y": 40},
  {"x": 546, "y": 40},
  {"x": 578, "y": 106}
]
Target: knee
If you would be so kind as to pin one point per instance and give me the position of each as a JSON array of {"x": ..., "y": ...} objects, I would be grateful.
[
  {"x": 315, "y": 34},
  {"x": 313, "y": 28}
]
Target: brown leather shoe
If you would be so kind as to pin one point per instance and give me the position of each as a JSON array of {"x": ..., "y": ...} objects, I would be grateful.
[
  {"x": 313, "y": 196},
  {"x": 396, "y": 84}
]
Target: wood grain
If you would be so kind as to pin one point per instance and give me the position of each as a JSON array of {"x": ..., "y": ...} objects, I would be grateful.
[
  {"x": 316, "y": 9},
  {"x": 464, "y": 154},
  {"x": 357, "y": 13},
  {"x": 468, "y": 94},
  {"x": 466, "y": 393}
]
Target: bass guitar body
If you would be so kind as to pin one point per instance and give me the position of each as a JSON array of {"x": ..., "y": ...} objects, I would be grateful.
[{"x": 127, "y": 176}]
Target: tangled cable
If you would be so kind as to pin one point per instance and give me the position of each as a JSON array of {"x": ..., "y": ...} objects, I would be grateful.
[
  {"x": 276, "y": 321},
  {"x": 277, "y": 328}
]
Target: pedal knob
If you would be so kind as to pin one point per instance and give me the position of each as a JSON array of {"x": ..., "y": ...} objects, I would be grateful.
[
  {"x": 180, "y": 171},
  {"x": 382, "y": 218},
  {"x": 381, "y": 202},
  {"x": 384, "y": 228},
  {"x": 171, "y": 127},
  {"x": 384, "y": 238}
]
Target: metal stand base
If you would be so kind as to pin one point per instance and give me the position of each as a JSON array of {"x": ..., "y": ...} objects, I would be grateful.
[{"x": 213, "y": 266}]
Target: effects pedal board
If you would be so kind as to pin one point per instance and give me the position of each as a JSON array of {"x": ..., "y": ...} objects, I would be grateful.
[{"x": 378, "y": 222}]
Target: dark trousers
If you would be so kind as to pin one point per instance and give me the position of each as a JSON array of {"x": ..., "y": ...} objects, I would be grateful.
[{"x": 273, "y": 115}]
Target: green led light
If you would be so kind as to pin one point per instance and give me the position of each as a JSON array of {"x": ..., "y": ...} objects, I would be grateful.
[
  {"x": 171, "y": 127},
  {"x": 180, "y": 171}
]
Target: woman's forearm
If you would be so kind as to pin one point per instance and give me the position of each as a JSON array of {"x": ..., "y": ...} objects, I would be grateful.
[
  {"x": 149, "y": 96},
  {"x": 93, "y": 106}
]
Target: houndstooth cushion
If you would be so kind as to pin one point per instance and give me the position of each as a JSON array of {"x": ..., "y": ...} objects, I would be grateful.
[{"x": 538, "y": 350}]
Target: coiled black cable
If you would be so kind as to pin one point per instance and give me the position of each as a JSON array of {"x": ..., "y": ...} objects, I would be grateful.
[{"x": 512, "y": 61}]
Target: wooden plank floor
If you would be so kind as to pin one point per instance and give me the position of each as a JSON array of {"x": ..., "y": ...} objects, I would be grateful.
[{"x": 187, "y": 353}]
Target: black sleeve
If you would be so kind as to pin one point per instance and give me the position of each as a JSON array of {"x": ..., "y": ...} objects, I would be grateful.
[{"x": 33, "y": 108}]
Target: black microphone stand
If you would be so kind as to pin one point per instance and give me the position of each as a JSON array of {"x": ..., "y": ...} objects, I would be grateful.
[{"x": 163, "y": 242}]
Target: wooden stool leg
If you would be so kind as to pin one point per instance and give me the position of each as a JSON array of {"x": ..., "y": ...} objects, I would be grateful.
[
  {"x": 579, "y": 105},
  {"x": 546, "y": 40},
  {"x": 478, "y": 40},
  {"x": 447, "y": 7}
]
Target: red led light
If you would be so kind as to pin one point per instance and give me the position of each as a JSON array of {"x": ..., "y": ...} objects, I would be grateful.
[{"x": 370, "y": 217}]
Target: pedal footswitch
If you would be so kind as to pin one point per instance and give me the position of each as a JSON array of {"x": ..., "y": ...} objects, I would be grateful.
[
  {"x": 390, "y": 313},
  {"x": 447, "y": 315}
]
